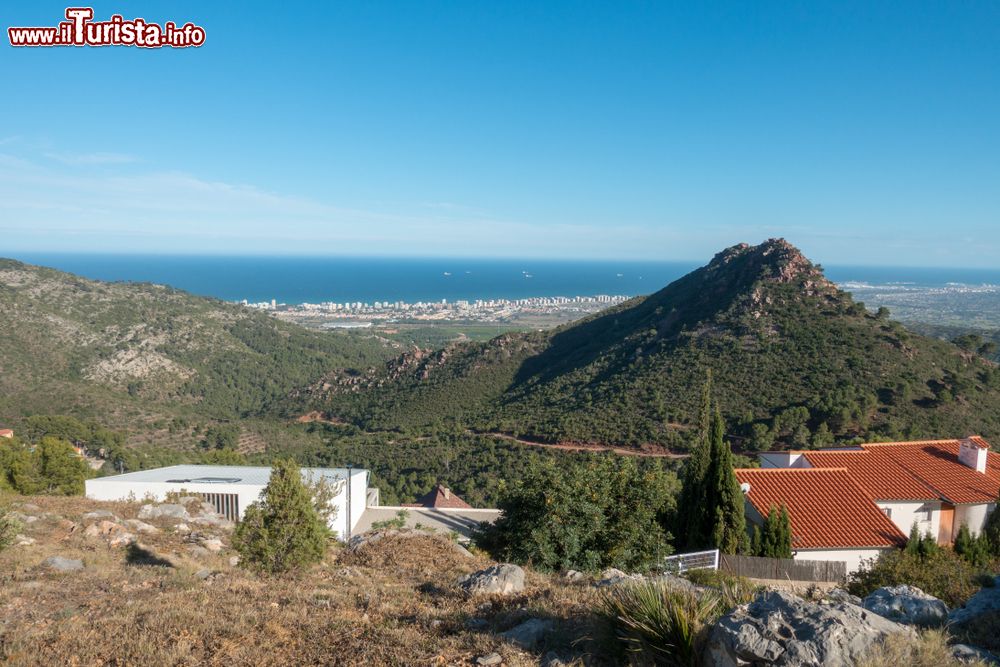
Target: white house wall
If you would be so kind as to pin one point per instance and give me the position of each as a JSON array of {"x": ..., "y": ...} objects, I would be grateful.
[
  {"x": 904, "y": 515},
  {"x": 852, "y": 558},
  {"x": 108, "y": 489},
  {"x": 974, "y": 516}
]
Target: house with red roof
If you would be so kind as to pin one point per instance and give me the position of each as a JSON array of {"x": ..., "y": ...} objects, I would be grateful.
[
  {"x": 852, "y": 503},
  {"x": 440, "y": 497},
  {"x": 6, "y": 433}
]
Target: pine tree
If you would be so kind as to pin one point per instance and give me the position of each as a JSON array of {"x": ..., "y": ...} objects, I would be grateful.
[
  {"x": 284, "y": 530},
  {"x": 725, "y": 501},
  {"x": 913, "y": 542},
  {"x": 963, "y": 541},
  {"x": 991, "y": 532}
]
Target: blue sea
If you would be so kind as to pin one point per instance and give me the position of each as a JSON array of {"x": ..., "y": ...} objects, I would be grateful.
[{"x": 294, "y": 280}]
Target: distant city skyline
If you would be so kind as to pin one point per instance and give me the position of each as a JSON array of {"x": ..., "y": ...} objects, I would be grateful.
[{"x": 864, "y": 134}]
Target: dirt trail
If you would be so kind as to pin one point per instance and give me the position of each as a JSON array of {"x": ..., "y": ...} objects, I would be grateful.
[{"x": 652, "y": 451}]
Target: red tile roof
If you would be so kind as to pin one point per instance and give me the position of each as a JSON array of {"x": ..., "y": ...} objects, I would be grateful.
[
  {"x": 916, "y": 470},
  {"x": 828, "y": 509},
  {"x": 6, "y": 433},
  {"x": 441, "y": 497}
]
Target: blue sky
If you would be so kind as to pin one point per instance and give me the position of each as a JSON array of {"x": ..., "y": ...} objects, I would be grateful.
[{"x": 864, "y": 132}]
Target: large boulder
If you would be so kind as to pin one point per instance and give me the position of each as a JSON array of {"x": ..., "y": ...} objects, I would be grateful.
[
  {"x": 502, "y": 579},
  {"x": 986, "y": 600},
  {"x": 613, "y": 576},
  {"x": 779, "y": 628},
  {"x": 908, "y": 605}
]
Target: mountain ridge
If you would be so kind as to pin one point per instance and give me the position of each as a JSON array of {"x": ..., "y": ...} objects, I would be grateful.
[{"x": 796, "y": 361}]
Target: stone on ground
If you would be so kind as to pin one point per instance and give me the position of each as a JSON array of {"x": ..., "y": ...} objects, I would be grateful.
[
  {"x": 908, "y": 605},
  {"x": 61, "y": 564},
  {"x": 502, "y": 579}
]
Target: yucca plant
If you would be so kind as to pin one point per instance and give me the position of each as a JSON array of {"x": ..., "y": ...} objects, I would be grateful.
[{"x": 660, "y": 624}]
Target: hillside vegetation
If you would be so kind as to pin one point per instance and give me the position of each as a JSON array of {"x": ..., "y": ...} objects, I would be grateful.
[
  {"x": 151, "y": 360},
  {"x": 796, "y": 361}
]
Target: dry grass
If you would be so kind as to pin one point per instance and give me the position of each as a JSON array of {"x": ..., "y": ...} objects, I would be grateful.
[
  {"x": 930, "y": 649},
  {"x": 396, "y": 606}
]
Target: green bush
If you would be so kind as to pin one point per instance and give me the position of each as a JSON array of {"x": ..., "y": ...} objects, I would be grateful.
[
  {"x": 285, "y": 530},
  {"x": 733, "y": 589},
  {"x": 9, "y": 526},
  {"x": 657, "y": 621},
  {"x": 51, "y": 467},
  {"x": 941, "y": 573},
  {"x": 604, "y": 511}
]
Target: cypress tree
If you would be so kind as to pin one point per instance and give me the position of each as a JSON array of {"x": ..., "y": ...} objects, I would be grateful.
[
  {"x": 783, "y": 545},
  {"x": 692, "y": 517},
  {"x": 726, "y": 503}
]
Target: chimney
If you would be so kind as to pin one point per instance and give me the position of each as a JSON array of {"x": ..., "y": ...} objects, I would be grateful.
[
  {"x": 447, "y": 491},
  {"x": 972, "y": 455},
  {"x": 745, "y": 487}
]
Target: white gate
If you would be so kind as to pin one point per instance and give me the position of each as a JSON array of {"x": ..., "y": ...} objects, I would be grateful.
[{"x": 695, "y": 560}]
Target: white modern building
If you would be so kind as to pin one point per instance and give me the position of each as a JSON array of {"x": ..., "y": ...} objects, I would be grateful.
[
  {"x": 232, "y": 488},
  {"x": 850, "y": 504}
]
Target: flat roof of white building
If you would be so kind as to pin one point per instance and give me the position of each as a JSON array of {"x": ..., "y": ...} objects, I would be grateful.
[{"x": 212, "y": 474}]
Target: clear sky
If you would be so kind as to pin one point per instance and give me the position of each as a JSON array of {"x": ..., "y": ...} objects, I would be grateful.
[{"x": 864, "y": 132}]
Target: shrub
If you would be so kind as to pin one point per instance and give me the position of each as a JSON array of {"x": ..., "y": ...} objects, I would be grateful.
[
  {"x": 660, "y": 622},
  {"x": 595, "y": 513},
  {"x": 733, "y": 589},
  {"x": 399, "y": 521},
  {"x": 929, "y": 649},
  {"x": 284, "y": 531},
  {"x": 9, "y": 527},
  {"x": 940, "y": 573}
]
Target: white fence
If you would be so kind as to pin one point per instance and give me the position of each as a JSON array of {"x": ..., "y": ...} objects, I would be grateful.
[{"x": 695, "y": 560}]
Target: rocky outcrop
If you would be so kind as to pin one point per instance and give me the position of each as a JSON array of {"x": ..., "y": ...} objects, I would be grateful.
[
  {"x": 779, "y": 628},
  {"x": 502, "y": 579},
  {"x": 907, "y": 605},
  {"x": 985, "y": 601}
]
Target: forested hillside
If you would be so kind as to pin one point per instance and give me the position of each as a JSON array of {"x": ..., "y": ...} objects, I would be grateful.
[
  {"x": 796, "y": 362},
  {"x": 161, "y": 365}
]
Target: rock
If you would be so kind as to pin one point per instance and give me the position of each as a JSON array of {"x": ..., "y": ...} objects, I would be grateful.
[
  {"x": 461, "y": 551},
  {"x": 60, "y": 564},
  {"x": 206, "y": 574},
  {"x": 907, "y": 605},
  {"x": 491, "y": 659},
  {"x": 986, "y": 600},
  {"x": 182, "y": 528},
  {"x": 164, "y": 511},
  {"x": 214, "y": 544},
  {"x": 99, "y": 514},
  {"x": 114, "y": 533},
  {"x": 613, "y": 576},
  {"x": 213, "y": 520},
  {"x": 840, "y": 595},
  {"x": 234, "y": 561},
  {"x": 573, "y": 575},
  {"x": 529, "y": 634},
  {"x": 779, "y": 628},
  {"x": 199, "y": 551},
  {"x": 502, "y": 579},
  {"x": 24, "y": 519},
  {"x": 966, "y": 653},
  {"x": 141, "y": 527},
  {"x": 23, "y": 541},
  {"x": 121, "y": 539},
  {"x": 187, "y": 500},
  {"x": 30, "y": 507}
]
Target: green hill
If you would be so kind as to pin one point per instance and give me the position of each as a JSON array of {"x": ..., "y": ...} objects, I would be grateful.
[
  {"x": 150, "y": 360},
  {"x": 796, "y": 362}
]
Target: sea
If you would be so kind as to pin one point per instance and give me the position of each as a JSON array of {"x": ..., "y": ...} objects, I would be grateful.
[{"x": 295, "y": 280}]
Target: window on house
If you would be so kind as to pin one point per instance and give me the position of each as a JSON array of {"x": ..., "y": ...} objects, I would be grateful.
[
  {"x": 922, "y": 514},
  {"x": 887, "y": 511}
]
